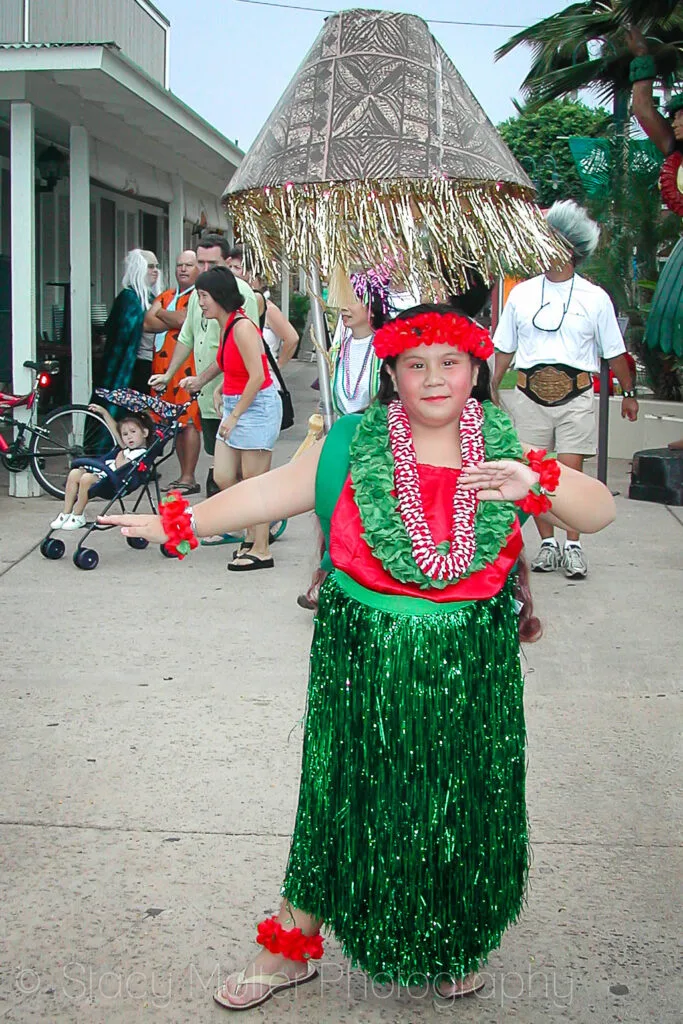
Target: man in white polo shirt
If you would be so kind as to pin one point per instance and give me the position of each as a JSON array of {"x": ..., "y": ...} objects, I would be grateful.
[{"x": 557, "y": 326}]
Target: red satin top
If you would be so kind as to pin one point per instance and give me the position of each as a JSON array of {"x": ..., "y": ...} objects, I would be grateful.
[
  {"x": 350, "y": 552},
  {"x": 229, "y": 358}
]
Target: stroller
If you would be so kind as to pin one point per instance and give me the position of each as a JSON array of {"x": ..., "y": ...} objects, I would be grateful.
[{"x": 138, "y": 475}]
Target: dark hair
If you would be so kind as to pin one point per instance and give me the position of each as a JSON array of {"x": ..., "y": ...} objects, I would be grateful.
[
  {"x": 221, "y": 284},
  {"x": 530, "y": 628},
  {"x": 377, "y": 313},
  {"x": 211, "y": 240},
  {"x": 474, "y": 298},
  {"x": 236, "y": 252},
  {"x": 142, "y": 419}
]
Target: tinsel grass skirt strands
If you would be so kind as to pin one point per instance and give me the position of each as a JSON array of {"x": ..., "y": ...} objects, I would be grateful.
[
  {"x": 411, "y": 834},
  {"x": 418, "y": 226}
]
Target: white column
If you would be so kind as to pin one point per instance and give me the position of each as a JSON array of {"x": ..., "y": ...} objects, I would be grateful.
[
  {"x": 79, "y": 259},
  {"x": 23, "y": 250},
  {"x": 284, "y": 291},
  {"x": 176, "y": 221}
]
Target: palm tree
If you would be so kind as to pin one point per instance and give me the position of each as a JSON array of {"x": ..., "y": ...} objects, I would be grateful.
[{"x": 584, "y": 47}]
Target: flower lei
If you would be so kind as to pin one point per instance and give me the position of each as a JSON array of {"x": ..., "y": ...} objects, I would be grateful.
[
  {"x": 176, "y": 519},
  {"x": 668, "y": 183},
  {"x": 372, "y": 477},
  {"x": 433, "y": 329},
  {"x": 433, "y": 564},
  {"x": 291, "y": 942},
  {"x": 536, "y": 502}
]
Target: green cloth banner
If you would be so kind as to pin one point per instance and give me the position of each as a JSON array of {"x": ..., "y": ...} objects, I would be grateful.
[{"x": 593, "y": 161}]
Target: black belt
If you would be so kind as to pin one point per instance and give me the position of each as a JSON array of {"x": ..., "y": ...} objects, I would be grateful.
[{"x": 552, "y": 384}]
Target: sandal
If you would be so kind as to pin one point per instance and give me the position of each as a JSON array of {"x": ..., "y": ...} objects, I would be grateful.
[
  {"x": 214, "y": 542},
  {"x": 182, "y": 488},
  {"x": 245, "y": 546},
  {"x": 273, "y": 981},
  {"x": 253, "y": 563},
  {"x": 475, "y": 983}
]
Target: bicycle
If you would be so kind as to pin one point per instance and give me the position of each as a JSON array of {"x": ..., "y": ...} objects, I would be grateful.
[{"x": 68, "y": 433}]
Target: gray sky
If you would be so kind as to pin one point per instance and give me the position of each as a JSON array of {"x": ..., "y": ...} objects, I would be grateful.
[{"x": 231, "y": 61}]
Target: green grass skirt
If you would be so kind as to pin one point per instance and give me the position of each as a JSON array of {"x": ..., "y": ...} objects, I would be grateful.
[{"x": 411, "y": 833}]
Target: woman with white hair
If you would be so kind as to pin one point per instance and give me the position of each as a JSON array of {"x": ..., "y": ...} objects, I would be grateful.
[
  {"x": 127, "y": 359},
  {"x": 557, "y": 327}
]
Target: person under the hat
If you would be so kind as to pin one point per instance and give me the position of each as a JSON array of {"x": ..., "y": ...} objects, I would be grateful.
[
  {"x": 557, "y": 326},
  {"x": 411, "y": 841}
]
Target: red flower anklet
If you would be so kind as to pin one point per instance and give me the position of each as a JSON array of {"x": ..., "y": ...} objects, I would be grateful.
[
  {"x": 537, "y": 501},
  {"x": 177, "y": 520},
  {"x": 291, "y": 942}
]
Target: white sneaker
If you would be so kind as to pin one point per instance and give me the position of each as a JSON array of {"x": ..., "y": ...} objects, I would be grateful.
[
  {"x": 58, "y": 523},
  {"x": 548, "y": 557},
  {"x": 574, "y": 562},
  {"x": 74, "y": 522}
]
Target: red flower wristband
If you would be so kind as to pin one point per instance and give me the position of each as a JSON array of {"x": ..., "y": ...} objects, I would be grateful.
[
  {"x": 178, "y": 523},
  {"x": 537, "y": 501},
  {"x": 291, "y": 942}
]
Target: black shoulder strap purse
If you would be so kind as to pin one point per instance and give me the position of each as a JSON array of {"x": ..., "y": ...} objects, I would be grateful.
[{"x": 287, "y": 406}]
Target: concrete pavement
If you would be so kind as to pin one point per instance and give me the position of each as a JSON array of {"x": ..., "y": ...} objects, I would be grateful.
[{"x": 150, "y": 751}]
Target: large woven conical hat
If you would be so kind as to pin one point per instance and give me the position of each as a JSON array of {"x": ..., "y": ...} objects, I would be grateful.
[{"x": 378, "y": 151}]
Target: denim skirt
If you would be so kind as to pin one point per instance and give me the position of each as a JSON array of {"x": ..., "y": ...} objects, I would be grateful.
[{"x": 259, "y": 426}]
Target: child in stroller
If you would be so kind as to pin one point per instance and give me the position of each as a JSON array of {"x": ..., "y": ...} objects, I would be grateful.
[{"x": 133, "y": 432}]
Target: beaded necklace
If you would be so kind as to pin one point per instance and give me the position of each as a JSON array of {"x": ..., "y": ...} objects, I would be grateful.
[{"x": 349, "y": 392}]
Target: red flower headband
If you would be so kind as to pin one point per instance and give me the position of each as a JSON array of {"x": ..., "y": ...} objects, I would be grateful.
[{"x": 399, "y": 335}]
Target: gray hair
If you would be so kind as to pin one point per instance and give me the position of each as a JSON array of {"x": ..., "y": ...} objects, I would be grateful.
[
  {"x": 135, "y": 271},
  {"x": 576, "y": 228}
]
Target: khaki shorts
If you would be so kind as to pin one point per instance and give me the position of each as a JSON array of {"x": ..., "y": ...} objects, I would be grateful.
[{"x": 567, "y": 429}]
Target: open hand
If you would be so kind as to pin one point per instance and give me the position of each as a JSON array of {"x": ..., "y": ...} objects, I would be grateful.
[
  {"x": 99, "y": 410},
  {"x": 506, "y": 480},
  {"x": 148, "y": 527}
]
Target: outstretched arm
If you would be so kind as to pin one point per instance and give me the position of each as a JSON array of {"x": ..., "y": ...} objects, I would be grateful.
[
  {"x": 579, "y": 502},
  {"x": 656, "y": 127},
  {"x": 279, "y": 494}
]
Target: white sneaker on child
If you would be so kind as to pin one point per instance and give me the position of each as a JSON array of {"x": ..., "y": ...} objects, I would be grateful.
[
  {"x": 58, "y": 523},
  {"x": 74, "y": 522}
]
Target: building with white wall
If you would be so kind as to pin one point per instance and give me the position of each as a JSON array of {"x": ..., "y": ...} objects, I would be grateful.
[{"x": 97, "y": 157}]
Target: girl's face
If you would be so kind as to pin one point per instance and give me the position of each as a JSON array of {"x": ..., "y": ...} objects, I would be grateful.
[
  {"x": 152, "y": 269},
  {"x": 132, "y": 434},
  {"x": 355, "y": 315},
  {"x": 208, "y": 306},
  {"x": 434, "y": 382}
]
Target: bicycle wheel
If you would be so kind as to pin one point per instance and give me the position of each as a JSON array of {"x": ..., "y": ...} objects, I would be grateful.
[{"x": 72, "y": 432}]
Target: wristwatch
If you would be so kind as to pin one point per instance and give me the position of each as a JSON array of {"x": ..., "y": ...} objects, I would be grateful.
[{"x": 629, "y": 394}]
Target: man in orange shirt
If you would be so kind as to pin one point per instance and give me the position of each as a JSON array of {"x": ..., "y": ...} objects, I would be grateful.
[{"x": 165, "y": 317}]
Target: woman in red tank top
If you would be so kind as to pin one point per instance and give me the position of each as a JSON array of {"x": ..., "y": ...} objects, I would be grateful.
[{"x": 252, "y": 408}]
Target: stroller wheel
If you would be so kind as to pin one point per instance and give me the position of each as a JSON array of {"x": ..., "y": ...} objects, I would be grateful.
[
  {"x": 137, "y": 542},
  {"x": 52, "y": 548},
  {"x": 86, "y": 558},
  {"x": 166, "y": 553}
]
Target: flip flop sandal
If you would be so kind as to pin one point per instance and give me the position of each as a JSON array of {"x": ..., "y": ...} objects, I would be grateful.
[
  {"x": 183, "y": 488},
  {"x": 245, "y": 546},
  {"x": 254, "y": 563},
  {"x": 273, "y": 981},
  {"x": 475, "y": 986},
  {"x": 227, "y": 538}
]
